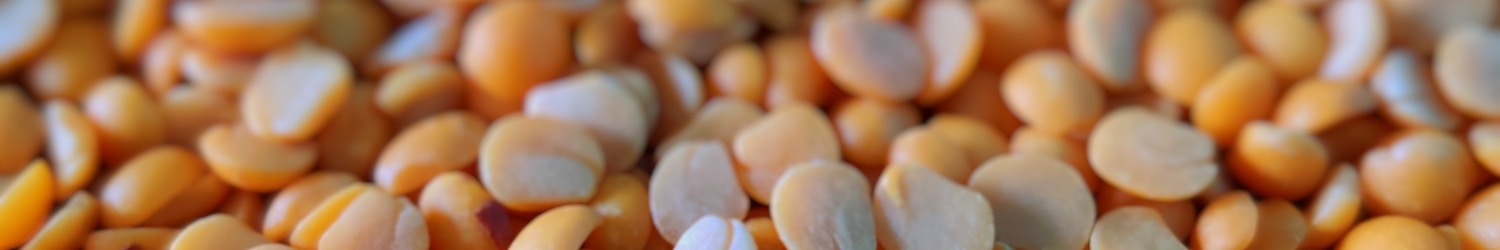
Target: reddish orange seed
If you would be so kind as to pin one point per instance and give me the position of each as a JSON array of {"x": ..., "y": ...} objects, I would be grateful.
[
  {"x": 510, "y": 46},
  {"x": 1333, "y": 210},
  {"x": 1420, "y": 174},
  {"x": 1228, "y": 222},
  {"x": 252, "y": 163},
  {"x": 127, "y": 119},
  {"x": 1393, "y": 232},
  {"x": 1316, "y": 105},
  {"x": 1184, "y": 49},
  {"x": 1275, "y": 162},
  {"x": 794, "y": 74},
  {"x": 866, "y": 129},
  {"x": 442, "y": 142},
  {"x": 1243, "y": 91}
]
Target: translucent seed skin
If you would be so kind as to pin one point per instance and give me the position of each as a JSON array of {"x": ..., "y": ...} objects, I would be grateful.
[
  {"x": 1358, "y": 33},
  {"x": 1462, "y": 64},
  {"x": 25, "y": 196},
  {"x": 1107, "y": 36},
  {"x": 1130, "y": 148},
  {"x": 694, "y": 180},
  {"x": 321, "y": 80},
  {"x": 1027, "y": 191},
  {"x": 533, "y": 164},
  {"x": 823, "y": 205},
  {"x": 1407, "y": 93},
  {"x": 1132, "y": 227},
  {"x": 29, "y": 25},
  {"x": 765, "y": 149},
  {"x": 844, "y": 43}
]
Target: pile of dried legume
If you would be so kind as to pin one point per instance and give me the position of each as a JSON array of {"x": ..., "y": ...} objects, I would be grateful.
[{"x": 749, "y": 124}]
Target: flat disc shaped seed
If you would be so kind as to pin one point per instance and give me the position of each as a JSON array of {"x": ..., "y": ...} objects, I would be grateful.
[
  {"x": 376, "y": 219},
  {"x": 1419, "y": 174},
  {"x": 739, "y": 71},
  {"x": 1243, "y": 91},
  {"x": 1464, "y": 66},
  {"x": 251, "y": 163},
  {"x": 1038, "y": 202},
  {"x": 199, "y": 199},
  {"x": 218, "y": 231},
  {"x": 298, "y": 199},
  {"x": 433, "y": 36},
  {"x": 1316, "y": 105},
  {"x": 295, "y": 93},
  {"x": 1333, "y": 210},
  {"x": 146, "y": 184},
  {"x": 450, "y": 204},
  {"x": 355, "y": 135},
  {"x": 354, "y": 28},
  {"x": 823, "y": 205},
  {"x": 1030, "y": 141},
  {"x": 1151, "y": 156},
  {"x": 564, "y": 227},
  {"x": 244, "y": 26},
  {"x": 1180, "y": 216},
  {"x": 189, "y": 110},
  {"x": 697, "y": 30},
  {"x": 121, "y": 238},
  {"x": 916, "y": 208},
  {"x": 867, "y": 127},
  {"x": 977, "y": 140},
  {"x": 868, "y": 57},
  {"x": 1393, "y": 232},
  {"x": 924, "y": 147},
  {"x": 714, "y": 232},
  {"x": 69, "y": 227},
  {"x": 310, "y": 229},
  {"x": 1404, "y": 88},
  {"x": 29, "y": 25},
  {"x": 1228, "y": 222},
  {"x": 1183, "y": 51},
  {"x": 125, "y": 117},
  {"x": 794, "y": 75},
  {"x": 1279, "y": 163},
  {"x": 1132, "y": 227},
  {"x": 532, "y": 164},
  {"x": 785, "y": 137},
  {"x": 72, "y": 147},
  {"x": 606, "y": 34},
  {"x": 950, "y": 33},
  {"x": 442, "y": 142},
  {"x": 1107, "y": 37},
  {"x": 1278, "y": 226},
  {"x": 21, "y": 132},
  {"x": 1422, "y": 25},
  {"x": 224, "y": 74},
  {"x": 1049, "y": 92},
  {"x": 638, "y": 83},
  {"x": 1358, "y": 34},
  {"x": 510, "y": 46},
  {"x": 135, "y": 23},
  {"x": 695, "y": 179},
  {"x": 1286, "y": 35},
  {"x": 1476, "y": 221},
  {"x": 26, "y": 197},
  {"x": 599, "y": 105},
  {"x": 719, "y": 120},
  {"x": 71, "y": 65},
  {"x": 622, "y": 203},
  {"x": 161, "y": 62}
]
